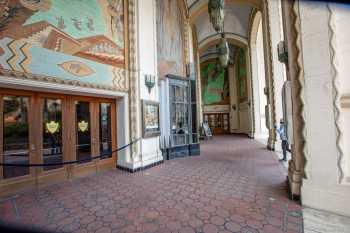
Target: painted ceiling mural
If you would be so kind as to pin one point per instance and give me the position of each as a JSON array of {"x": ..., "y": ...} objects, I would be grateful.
[
  {"x": 169, "y": 38},
  {"x": 215, "y": 84},
  {"x": 50, "y": 38}
]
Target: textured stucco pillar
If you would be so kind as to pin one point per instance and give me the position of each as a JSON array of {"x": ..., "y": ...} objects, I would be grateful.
[
  {"x": 325, "y": 41},
  {"x": 270, "y": 90},
  {"x": 291, "y": 20}
]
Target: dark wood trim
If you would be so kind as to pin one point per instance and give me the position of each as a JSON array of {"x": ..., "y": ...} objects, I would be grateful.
[
  {"x": 35, "y": 141},
  {"x": 38, "y": 176},
  {"x": 1, "y": 135},
  {"x": 95, "y": 130},
  {"x": 57, "y": 174}
]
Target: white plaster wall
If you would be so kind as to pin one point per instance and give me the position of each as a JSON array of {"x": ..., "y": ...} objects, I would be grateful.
[
  {"x": 123, "y": 134},
  {"x": 147, "y": 51},
  {"x": 258, "y": 73},
  {"x": 321, "y": 189}
]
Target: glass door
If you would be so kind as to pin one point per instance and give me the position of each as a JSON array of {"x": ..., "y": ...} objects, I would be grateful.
[
  {"x": 52, "y": 150},
  {"x": 83, "y": 131},
  {"x": 15, "y": 135},
  {"x": 105, "y": 130}
]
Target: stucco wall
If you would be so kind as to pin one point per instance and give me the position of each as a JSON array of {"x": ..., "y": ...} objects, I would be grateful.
[
  {"x": 321, "y": 189},
  {"x": 147, "y": 50}
]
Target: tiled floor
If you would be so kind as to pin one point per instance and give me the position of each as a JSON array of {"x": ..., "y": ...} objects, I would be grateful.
[{"x": 234, "y": 186}]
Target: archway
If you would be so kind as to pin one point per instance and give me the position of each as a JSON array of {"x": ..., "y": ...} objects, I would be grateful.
[{"x": 261, "y": 132}]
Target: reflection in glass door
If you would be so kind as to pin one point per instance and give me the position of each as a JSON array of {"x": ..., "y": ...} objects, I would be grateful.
[
  {"x": 83, "y": 147},
  {"x": 15, "y": 135},
  {"x": 52, "y": 132},
  {"x": 179, "y": 114},
  {"x": 105, "y": 130}
]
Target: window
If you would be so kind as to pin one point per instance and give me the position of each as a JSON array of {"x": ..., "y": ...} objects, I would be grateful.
[
  {"x": 105, "y": 130},
  {"x": 15, "y": 135},
  {"x": 83, "y": 125},
  {"x": 52, "y": 132}
]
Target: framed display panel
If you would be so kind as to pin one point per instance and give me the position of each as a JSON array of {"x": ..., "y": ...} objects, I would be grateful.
[{"x": 150, "y": 119}]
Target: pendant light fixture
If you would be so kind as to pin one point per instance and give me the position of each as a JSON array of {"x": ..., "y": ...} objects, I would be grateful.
[
  {"x": 223, "y": 51},
  {"x": 217, "y": 14},
  {"x": 217, "y": 17}
]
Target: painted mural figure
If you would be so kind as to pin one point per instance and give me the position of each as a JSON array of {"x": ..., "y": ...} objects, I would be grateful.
[
  {"x": 60, "y": 23},
  {"x": 77, "y": 23},
  {"x": 215, "y": 84},
  {"x": 46, "y": 38},
  {"x": 170, "y": 41},
  {"x": 90, "y": 24}
]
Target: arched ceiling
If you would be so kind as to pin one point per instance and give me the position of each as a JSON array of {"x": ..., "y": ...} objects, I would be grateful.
[
  {"x": 197, "y": 7},
  {"x": 236, "y": 22}
]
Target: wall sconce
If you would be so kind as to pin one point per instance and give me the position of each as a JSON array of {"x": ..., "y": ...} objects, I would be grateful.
[
  {"x": 282, "y": 52},
  {"x": 150, "y": 81}
]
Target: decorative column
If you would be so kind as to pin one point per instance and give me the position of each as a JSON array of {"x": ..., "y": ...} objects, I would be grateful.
[
  {"x": 198, "y": 77},
  {"x": 133, "y": 75},
  {"x": 290, "y": 11},
  {"x": 270, "y": 88}
]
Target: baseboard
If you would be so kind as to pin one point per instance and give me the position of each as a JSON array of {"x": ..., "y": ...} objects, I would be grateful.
[
  {"x": 326, "y": 200},
  {"x": 133, "y": 170}
]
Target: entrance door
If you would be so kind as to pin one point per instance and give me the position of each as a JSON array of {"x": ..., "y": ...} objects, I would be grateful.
[
  {"x": 51, "y": 129},
  {"x": 83, "y": 131},
  {"x": 52, "y": 147},
  {"x": 15, "y": 122}
]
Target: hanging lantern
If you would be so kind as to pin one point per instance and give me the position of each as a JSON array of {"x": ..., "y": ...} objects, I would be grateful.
[
  {"x": 217, "y": 14},
  {"x": 224, "y": 52}
]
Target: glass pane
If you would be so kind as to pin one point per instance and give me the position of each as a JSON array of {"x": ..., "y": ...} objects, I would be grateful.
[
  {"x": 16, "y": 135},
  {"x": 52, "y": 133},
  {"x": 83, "y": 148},
  {"x": 105, "y": 130}
]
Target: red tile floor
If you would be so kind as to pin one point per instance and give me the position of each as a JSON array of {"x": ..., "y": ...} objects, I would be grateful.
[{"x": 234, "y": 186}]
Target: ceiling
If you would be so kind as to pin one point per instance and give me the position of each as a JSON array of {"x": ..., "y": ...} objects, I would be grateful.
[{"x": 236, "y": 22}]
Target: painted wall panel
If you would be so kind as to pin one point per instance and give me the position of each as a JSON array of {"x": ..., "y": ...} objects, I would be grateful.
[
  {"x": 170, "y": 38},
  {"x": 75, "y": 40}
]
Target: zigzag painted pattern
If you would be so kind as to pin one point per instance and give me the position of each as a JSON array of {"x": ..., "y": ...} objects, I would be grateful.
[
  {"x": 16, "y": 55},
  {"x": 119, "y": 79}
]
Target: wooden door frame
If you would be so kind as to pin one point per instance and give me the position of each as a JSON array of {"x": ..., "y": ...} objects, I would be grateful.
[
  {"x": 1, "y": 136},
  {"x": 20, "y": 180},
  {"x": 38, "y": 176},
  {"x": 102, "y": 163},
  {"x": 58, "y": 173}
]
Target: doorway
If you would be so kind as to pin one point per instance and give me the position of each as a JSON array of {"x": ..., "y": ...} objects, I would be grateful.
[{"x": 43, "y": 128}]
